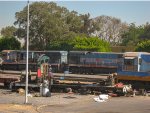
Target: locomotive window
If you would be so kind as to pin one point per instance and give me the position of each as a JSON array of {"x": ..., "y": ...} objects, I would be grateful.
[
  {"x": 54, "y": 57},
  {"x": 140, "y": 61},
  {"x": 120, "y": 56},
  {"x": 4, "y": 56},
  {"x": 74, "y": 59},
  {"x": 129, "y": 61},
  {"x": 21, "y": 57}
]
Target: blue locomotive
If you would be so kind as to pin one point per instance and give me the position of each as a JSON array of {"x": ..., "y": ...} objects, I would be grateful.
[
  {"x": 94, "y": 62},
  {"x": 136, "y": 69},
  {"x": 77, "y": 61}
]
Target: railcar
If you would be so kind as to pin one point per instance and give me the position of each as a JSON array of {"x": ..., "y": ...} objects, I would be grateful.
[
  {"x": 16, "y": 59},
  {"x": 136, "y": 70},
  {"x": 94, "y": 62}
]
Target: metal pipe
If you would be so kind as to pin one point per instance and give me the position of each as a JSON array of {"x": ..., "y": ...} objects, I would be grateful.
[{"x": 27, "y": 51}]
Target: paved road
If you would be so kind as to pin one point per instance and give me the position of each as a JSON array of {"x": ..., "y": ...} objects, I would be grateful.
[{"x": 113, "y": 105}]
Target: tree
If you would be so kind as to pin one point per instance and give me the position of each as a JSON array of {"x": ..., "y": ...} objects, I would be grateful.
[
  {"x": 131, "y": 36},
  {"x": 65, "y": 44},
  {"x": 49, "y": 24},
  {"x": 8, "y": 31},
  {"x": 143, "y": 46},
  {"x": 88, "y": 26},
  {"x": 145, "y": 35},
  {"x": 9, "y": 43},
  {"x": 109, "y": 29}
]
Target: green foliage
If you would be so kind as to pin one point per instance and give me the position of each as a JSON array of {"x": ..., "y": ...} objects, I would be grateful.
[
  {"x": 90, "y": 44},
  {"x": 137, "y": 36},
  {"x": 64, "y": 44},
  {"x": 9, "y": 43},
  {"x": 8, "y": 31},
  {"x": 144, "y": 46},
  {"x": 81, "y": 43},
  {"x": 88, "y": 25},
  {"x": 49, "y": 24},
  {"x": 146, "y": 33},
  {"x": 53, "y": 27},
  {"x": 131, "y": 36}
]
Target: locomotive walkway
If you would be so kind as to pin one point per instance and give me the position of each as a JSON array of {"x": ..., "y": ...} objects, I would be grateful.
[
  {"x": 60, "y": 77},
  {"x": 102, "y": 76}
]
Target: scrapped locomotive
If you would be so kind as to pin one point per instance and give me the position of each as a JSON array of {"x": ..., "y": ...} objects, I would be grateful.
[{"x": 72, "y": 61}]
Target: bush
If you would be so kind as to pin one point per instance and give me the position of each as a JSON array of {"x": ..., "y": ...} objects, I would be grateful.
[{"x": 9, "y": 43}]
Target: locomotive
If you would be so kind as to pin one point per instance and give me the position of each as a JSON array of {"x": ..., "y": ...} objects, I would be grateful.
[
  {"x": 74, "y": 61},
  {"x": 16, "y": 59},
  {"x": 131, "y": 67},
  {"x": 136, "y": 70},
  {"x": 94, "y": 62}
]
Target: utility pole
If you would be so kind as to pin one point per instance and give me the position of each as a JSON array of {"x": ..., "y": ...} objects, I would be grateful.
[{"x": 27, "y": 51}]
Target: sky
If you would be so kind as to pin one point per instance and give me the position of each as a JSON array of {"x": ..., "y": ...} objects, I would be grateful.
[{"x": 128, "y": 11}]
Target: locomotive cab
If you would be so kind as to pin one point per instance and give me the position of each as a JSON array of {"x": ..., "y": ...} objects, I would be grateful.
[{"x": 136, "y": 70}]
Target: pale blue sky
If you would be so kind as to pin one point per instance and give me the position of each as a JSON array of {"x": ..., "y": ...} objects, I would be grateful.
[{"x": 128, "y": 11}]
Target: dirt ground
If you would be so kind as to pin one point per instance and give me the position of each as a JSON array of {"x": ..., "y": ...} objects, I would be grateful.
[
  {"x": 16, "y": 108},
  {"x": 12, "y": 102}
]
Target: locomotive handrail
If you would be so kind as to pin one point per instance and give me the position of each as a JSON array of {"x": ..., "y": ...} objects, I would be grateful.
[
  {"x": 1, "y": 61},
  {"x": 43, "y": 59}
]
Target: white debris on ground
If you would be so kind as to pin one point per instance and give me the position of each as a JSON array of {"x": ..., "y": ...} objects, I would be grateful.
[{"x": 101, "y": 98}]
